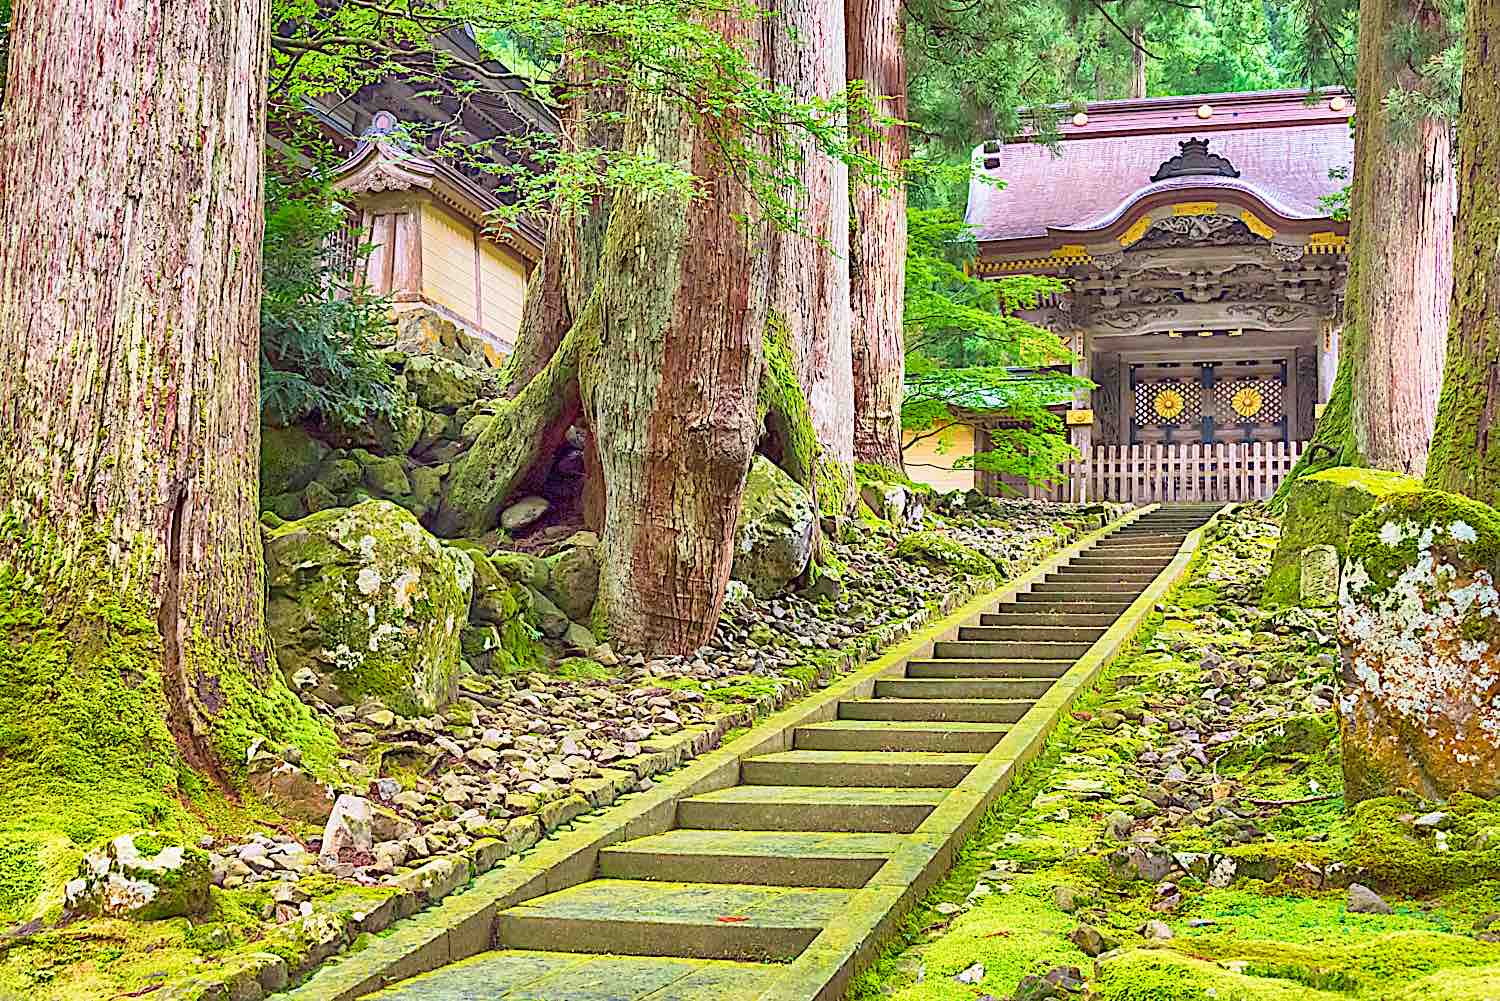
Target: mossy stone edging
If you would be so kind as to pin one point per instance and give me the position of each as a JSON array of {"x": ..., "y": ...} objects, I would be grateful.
[{"x": 462, "y": 923}]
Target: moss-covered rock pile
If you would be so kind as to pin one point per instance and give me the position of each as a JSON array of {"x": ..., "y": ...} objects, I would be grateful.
[{"x": 1185, "y": 836}]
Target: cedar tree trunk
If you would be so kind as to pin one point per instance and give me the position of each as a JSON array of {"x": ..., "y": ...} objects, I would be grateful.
[
  {"x": 1384, "y": 399},
  {"x": 878, "y": 245},
  {"x": 130, "y": 555},
  {"x": 1402, "y": 241},
  {"x": 1465, "y": 455},
  {"x": 810, "y": 270},
  {"x": 670, "y": 387}
]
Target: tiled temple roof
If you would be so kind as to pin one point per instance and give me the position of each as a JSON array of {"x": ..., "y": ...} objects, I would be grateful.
[{"x": 1282, "y": 147}]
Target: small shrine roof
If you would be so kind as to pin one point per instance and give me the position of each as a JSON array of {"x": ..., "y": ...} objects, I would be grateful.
[{"x": 1282, "y": 147}]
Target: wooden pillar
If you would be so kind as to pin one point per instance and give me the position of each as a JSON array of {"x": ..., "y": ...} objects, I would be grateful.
[
  {"x": 1328, "y": 358},
  {"x": 1082, "y": 435}
]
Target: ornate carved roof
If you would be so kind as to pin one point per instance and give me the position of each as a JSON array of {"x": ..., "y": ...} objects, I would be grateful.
[{"x": 1195, "y": 159}]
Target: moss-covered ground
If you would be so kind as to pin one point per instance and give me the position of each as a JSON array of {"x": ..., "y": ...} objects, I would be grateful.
[{"x": 1211, "y": 748}]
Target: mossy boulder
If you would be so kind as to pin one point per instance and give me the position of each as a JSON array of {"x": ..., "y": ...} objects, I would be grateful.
[
  {"x": 573, "y": 576},
  {"x": 141, "y": 875},
  {"x": 1320, "y": 508},
  {"x": 936, "y": 548},
  {"x": 773, "y": 539},
  {"x": 1419, "y": 627},
  {"x": 441, "y": 384},
  {"x": 289, "y": 460},
  {"x": 365, "y": 602}
]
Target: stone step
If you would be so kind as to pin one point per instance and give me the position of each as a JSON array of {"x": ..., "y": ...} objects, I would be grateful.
[
  {"x": 1034, "y": 632},
  {"x": 643, "y": 918},
  {"x": 1152, "y": 545},
  {"x": 1104, "y": 564},
  {"x": 891, "y": 769},
  {"x": 963, "y": 688},
  {"x": 764, "y": 858},
  {"x": 987, "y": 668},
  {"x": 1057, "y": 586},
  {"x": 1007, "y": 650},
  {"x": 524, "y": 975},
  {"x": 936, "y": 710},
  {"x": 1026, "y": 604},
  {"x": 875, "y": 735},
  {"x": 809, "y": 808},
  {"x": 1048, "y": 619},
  {"x": 1090, "y": 576},
  {"x": 1086, "y": 591}
]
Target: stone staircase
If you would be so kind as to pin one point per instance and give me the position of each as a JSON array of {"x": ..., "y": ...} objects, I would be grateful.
[{"x": 753, "y": 873}]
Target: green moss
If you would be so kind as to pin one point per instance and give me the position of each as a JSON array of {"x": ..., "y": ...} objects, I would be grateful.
[
  {"x": 784, "y": 411},
  {"x": 934, "y": 547},
  {"x": 1320, "y": 510},
  {"x": 1396, "y": 857},
  {"x": 1157, "y": 975},
  {"x": 582, "y": 669},
  {"x": 288, "y": 460}
]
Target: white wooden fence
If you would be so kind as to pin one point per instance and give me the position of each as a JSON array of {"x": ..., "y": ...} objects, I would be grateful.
[{"x": 1144, "y": 474}]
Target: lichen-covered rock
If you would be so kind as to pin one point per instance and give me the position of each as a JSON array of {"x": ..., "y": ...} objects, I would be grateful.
[
  {"x": 367, "y": 602},
  {"x": 289, "y": 460},
  {"x": 1419, "y": 627},
  {"x": 385, "y": 477},
  {"x": 143, "y": 876},
  {"x": 1320, "y": 508},
  {"x": 573, "y": 576},
  {"x": 421, "y": 331},
  {"x": 440, "y": 384},
  {"x": 523, "y": 569},
  {"x": 773, "y": 538}
]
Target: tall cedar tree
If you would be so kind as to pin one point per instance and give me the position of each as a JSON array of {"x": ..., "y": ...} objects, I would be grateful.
[
  {"x": 659, "y": 351},
  {"x": 130, "y": 555},
  {"x": 877, "y": 62},
  {"x": 1465, "y": 455},
  {"x": 1385, "y": 397},
  {"x": 810, "y": 293}
]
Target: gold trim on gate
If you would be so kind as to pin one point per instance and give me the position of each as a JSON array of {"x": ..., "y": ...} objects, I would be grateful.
[
  {"x": 1195, "y": 208},
  {"x": 1256, "y": 225}
]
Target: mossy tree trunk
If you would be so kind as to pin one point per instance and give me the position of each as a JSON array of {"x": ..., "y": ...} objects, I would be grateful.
[
  {"x": 1401, "y": 233},
  {"x": 670, "y": 383},
  {"x": 130, "y": 556},
  {"x": 810, "y": 294},
  {"x": 665, "y": 360},
  {"x": 1465, "y": 456},
  {"x": 1384, "y": 399},
  {"x": 878, "y": 242}
]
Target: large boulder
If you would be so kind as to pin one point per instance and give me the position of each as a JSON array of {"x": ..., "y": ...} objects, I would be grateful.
[
  {"x": 1419, "y": 628},
  {"x": 1320, "y": 508},
  {"x": 141, "y": 875},
  {"x": 773, "y": 539},
  {"x": 573, "y": 577},
  {"x": 440, "y": 384},
  {"x": 289, "y": 460},
  {"x": 365, "y": 602}
]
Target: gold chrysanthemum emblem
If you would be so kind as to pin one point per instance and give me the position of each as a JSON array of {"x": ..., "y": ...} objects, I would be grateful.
[
  {"x": 1247, "y": 401},
  {"x": 1169, "y": 404}
]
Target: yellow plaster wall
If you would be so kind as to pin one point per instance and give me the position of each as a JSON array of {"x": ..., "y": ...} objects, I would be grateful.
[
  {"x": 448, "y": 261},
  {"x": 931, "y": 460},
  {"x": 504, "y": 289}
]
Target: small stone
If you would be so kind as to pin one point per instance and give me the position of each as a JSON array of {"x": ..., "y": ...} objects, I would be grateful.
[
  {"x": 1430, "y": 821},
  {"x": 1091, "y": 940},
  {"x": 1066, "y": 898},
  {"x": 973, "y": 975},
  {"x": 946, "y": 908},
  {"x": 524, "y": 513},
  {"x": 380, "y": 717},
  {"x": 1156, "y": 930},
  {"x": 1363, "y": 900}
]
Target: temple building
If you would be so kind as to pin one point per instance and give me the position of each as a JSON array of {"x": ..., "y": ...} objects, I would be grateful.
[
  {"x": 436, "y": 248},
  {"x": 1206, "y": 275}
]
